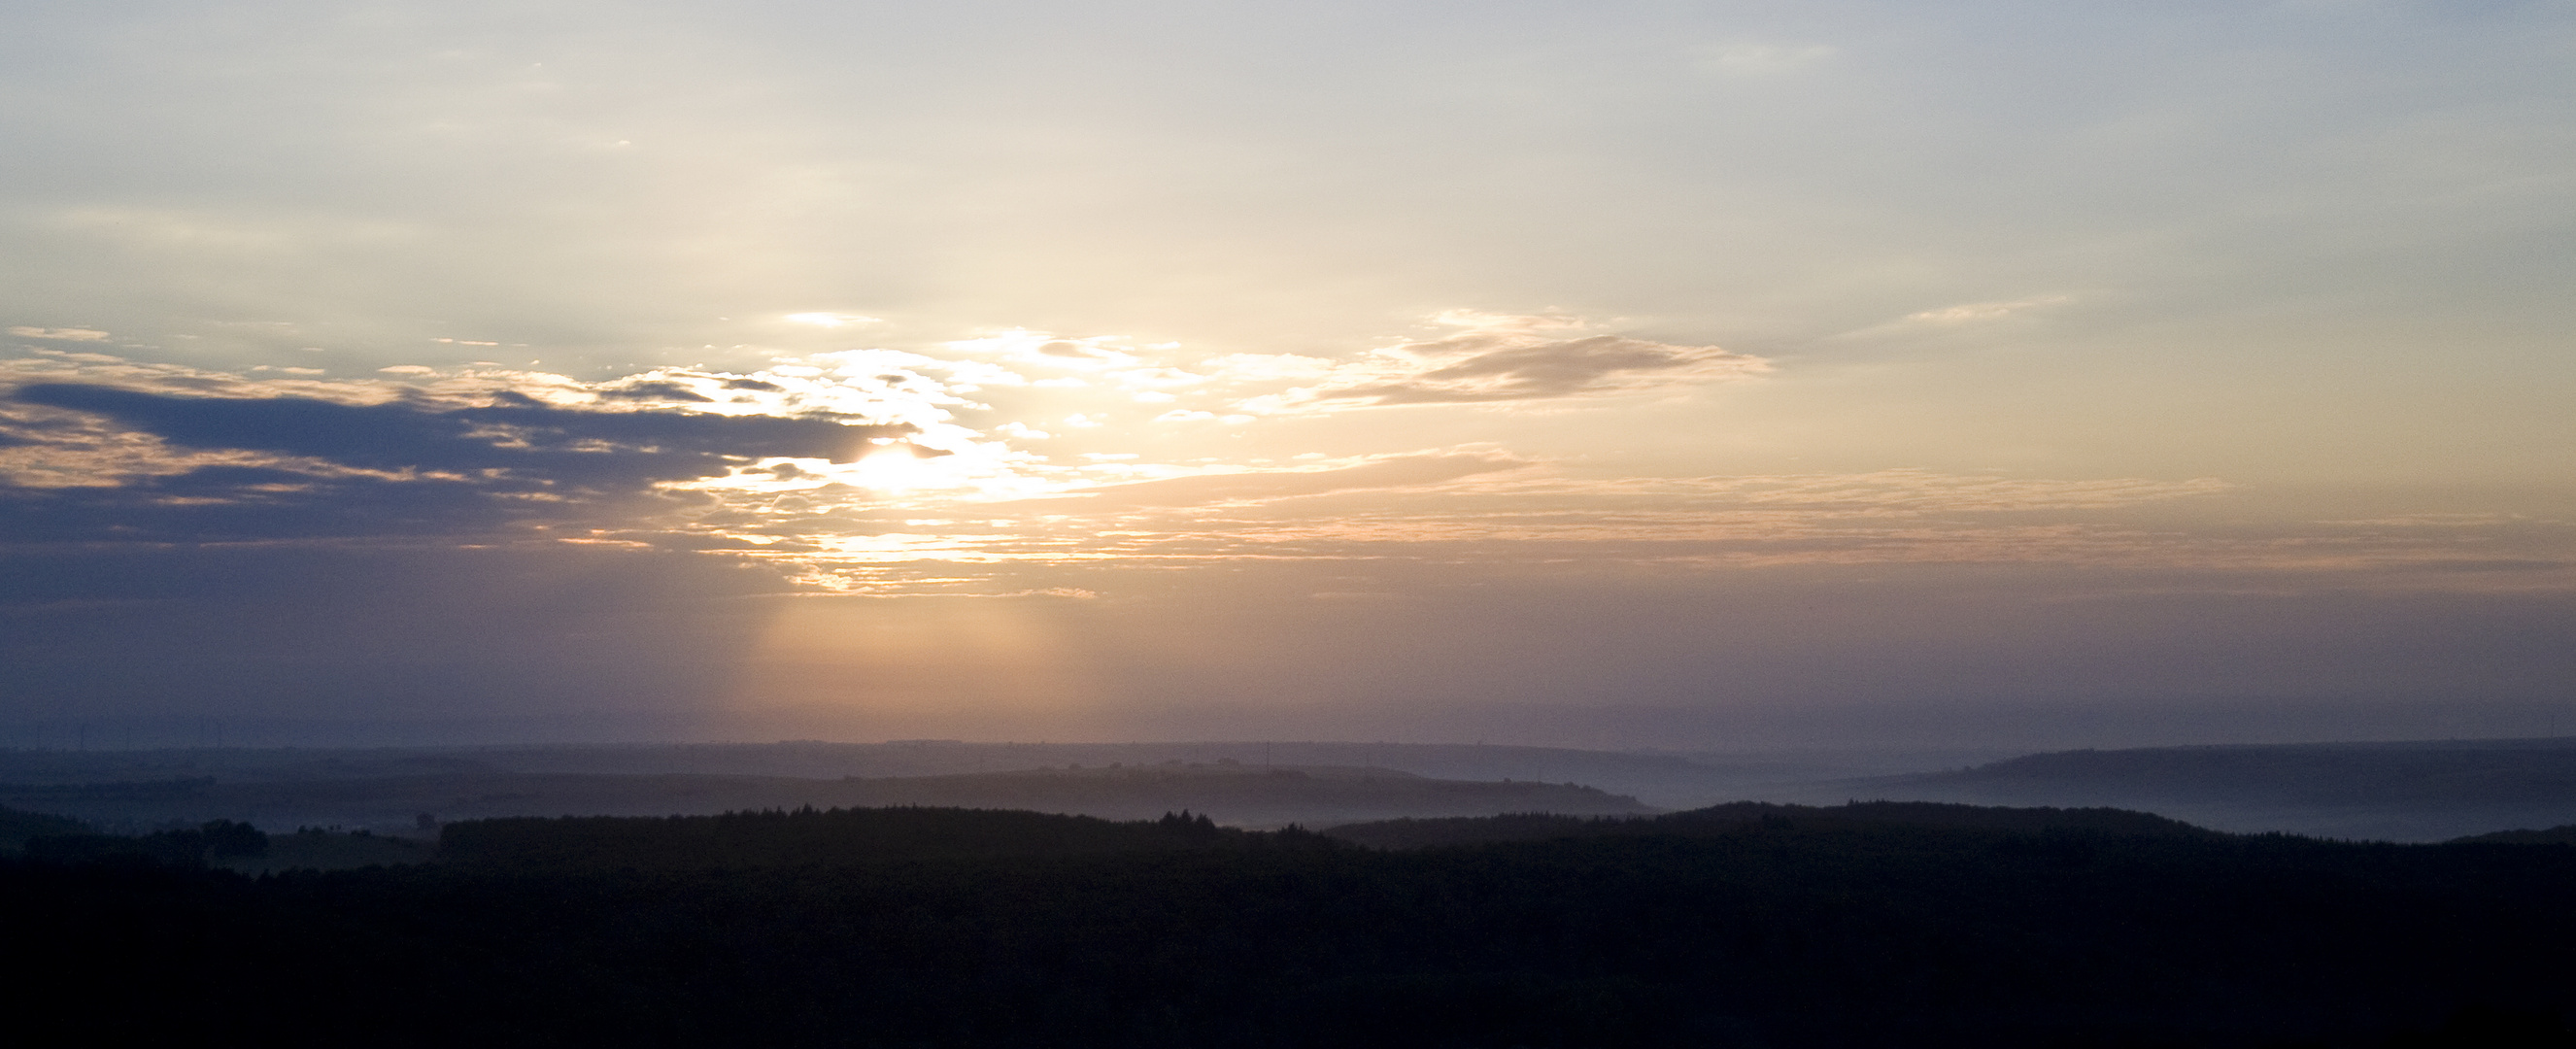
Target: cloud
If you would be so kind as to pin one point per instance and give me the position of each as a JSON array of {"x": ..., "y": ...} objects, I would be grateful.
[
  {"x": 845, "y": 472},
  {"x": 830, "y": 320},
  {"x": 1754, "y": 58},
  {"x": 1413, "y": 471},
  {"x": 1489, "y": 513},
  {"x": 200, "y": 467},
  {"x": 1046, "y": 350},
  {"x": 1964, "y": 316},
  {"x": 659, "y": 391},
  {"x": 1969, "y": 312},
  {"x": 225, "y": 503},
  {"x": 1489, "y": 358},
  {"x": 1505, "y": 358},
  {"x": 517, "y": 434},
  {"x": 810, "y": 470},
  {"x": 60, "y": 334},
  {"x": 1883, "y": 492}
]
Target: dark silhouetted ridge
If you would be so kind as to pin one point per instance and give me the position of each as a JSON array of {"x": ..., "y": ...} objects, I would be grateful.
[
  {"x": 810, "y": 837},
  {"x": 1741, "y": 817},
  {"x": 16, "y": 826}
]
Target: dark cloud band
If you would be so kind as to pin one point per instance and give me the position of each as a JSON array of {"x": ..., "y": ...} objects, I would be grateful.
[
  {"x": 519, "y": 434},
  {"x": 406, "y": 467}
]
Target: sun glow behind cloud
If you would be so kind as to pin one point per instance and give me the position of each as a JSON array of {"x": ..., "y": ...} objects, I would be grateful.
[{"x": 974, "y": 466}]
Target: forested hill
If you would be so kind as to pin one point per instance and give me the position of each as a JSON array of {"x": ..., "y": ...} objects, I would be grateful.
[
  {"x": 808, "y": 836},
  {"x": 1869, "y": 925},
  {"x": 1736, "y": 817},
  {"x": 2459, "y": 772}
]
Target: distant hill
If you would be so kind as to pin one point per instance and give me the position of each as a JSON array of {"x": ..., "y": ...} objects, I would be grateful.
[
  {"x": 1662, "y": 780},
  {"x": 2414, "y": 791},
  {"x": 2553, "y": 836},
  {"x": 2420, "y": 791},
  {"x": 1233, "y": 794}
]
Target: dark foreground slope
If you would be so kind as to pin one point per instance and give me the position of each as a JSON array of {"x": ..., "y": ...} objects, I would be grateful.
[
  {"x": 16, "y": 827},
  {"x": 1772, "y": 925}
]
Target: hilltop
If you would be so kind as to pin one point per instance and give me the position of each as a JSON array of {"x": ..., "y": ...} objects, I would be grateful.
[{"x": 2409, "y": 791}]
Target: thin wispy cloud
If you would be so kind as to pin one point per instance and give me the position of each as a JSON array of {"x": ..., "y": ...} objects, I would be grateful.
[
  {"x": 60, "y": 334},
  {"x": 1495, "y": 359},
  {"x": 1754, "y": 58},
  {"x": 1971, "y": 312},
  {"x": 1980, "y": 318},
  {"x": 827, "y": 319},
  {"x": 1210, "y": 491}
]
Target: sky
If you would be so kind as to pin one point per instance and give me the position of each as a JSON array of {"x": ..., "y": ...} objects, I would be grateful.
[{"x": 1620, "y": 374}]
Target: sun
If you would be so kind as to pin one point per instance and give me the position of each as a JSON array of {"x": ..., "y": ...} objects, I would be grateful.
[{"x": 901, "y": 468}]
